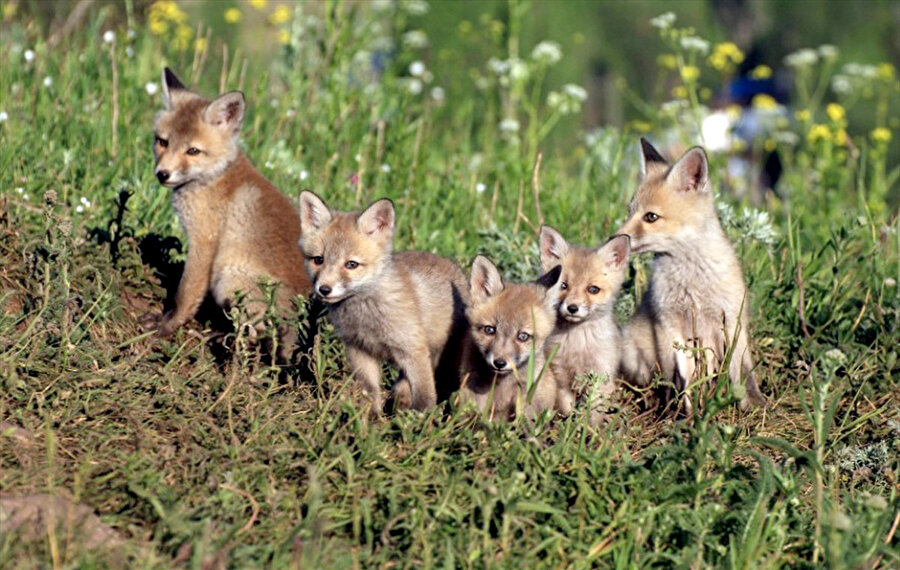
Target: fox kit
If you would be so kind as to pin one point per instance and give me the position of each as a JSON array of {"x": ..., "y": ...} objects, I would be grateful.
[
  {"x": 240, "y": 228},
  {"x": 403, "y": 307},
  {"x": 697, "y": 297},
  {"x": 586, "y": 332},
  {"x": 508, "y": 321}
]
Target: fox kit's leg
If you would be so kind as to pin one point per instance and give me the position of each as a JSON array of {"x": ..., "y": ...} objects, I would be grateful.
[
  {"x": 741, "y": 368},
  {"x": 367, "y": 371},
  {"x": 193, "y": 286},
  {"x": 416, "y": 388}
]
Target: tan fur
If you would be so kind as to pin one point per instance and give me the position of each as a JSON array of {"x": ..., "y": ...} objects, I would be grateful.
[
  {"x": 512, "y": 309},
  {"x": 697, "y": 296},
  {"x": 402, "y": 307},
  {"x": 585, "y": 329},
  {"x": 240, "y": 229}
]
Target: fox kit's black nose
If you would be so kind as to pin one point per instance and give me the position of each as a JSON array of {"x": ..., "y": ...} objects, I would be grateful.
[
  {"x": 572, "y": 309},
  {"x": 324, "y": 290},
  {"x": 499, "y": 363},
  {"x": 162, "y": 175}
]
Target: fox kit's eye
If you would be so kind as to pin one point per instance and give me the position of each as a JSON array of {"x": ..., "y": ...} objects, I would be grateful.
[
  {"x": 563, "y": 285},
  {"x": 524, "y": 337},
  {"x": 318, "y": 260},
  {"x": 593, "y": 289},
  {"x": 650, "y": 217},
  {"x": 162, "y": 142},
  {"x": 351, "y": 264},
  {"x": 193, "y": 151},
  {"x": 489, "y": 330}
]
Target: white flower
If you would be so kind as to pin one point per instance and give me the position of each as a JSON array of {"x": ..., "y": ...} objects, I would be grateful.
[
  {"x": 828, "y": 51},
  {"x": 416, "y": 68},
  {"x": 438, "y": 95},
  {"x": 864, "y": 71},
  {"x": 131, "y": 34},
  {"x": 109, "y": 37},
  {"x": 500, "y": 67},
  {"x": 801, "y": 58},
  {"x": 509, "y": 126},
  {"x": 546, "y": 53},
  {"x": 29, "y": 56},
  {"x": 85, "y": 202},
  {"x": 834, "y": 358},
  {"x": 3, "y": 116},
  {"x": 480, "y": 187},
  {"x": 415, "y": 86},
  {"x": 416, "y": 7},
  {"x": 129, "y": 51},
  {"x": 79, "y": 208},
  {"x": 663, "y": 21},
  {"x": 890, "y": 282},
  {"x": 518, "y": 69},
  {"x": 151, "y": 88},
  {"x": 786, "y": 137},
  {"x": 385, "y": 168},
  {"x": 693, "y": 43},
  {"x": 290, "y": 113},
  {"x": 575, "y": 91},
  {"x": 20, "y": 190},
  {"x": 841, "y": 84},
  {"x": 304, "y": 175},
  {"x": 415, "y": 39},
  {"x": 48, "y": 81}
]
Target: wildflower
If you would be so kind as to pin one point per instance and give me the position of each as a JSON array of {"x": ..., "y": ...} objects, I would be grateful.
[
  {"x": 803, "y": 115},
  {"x": 109, "y": 37},
  {"x": 575, "y": 91},
  {"x": 840, "y": 137},
  {"x": 304, "y": 175},
  {"x": 693, "y": 43},
  {"x": 158, "y": 27},
  {"x": 48, "y": 81},
  {"x": 835, "y": 112},
  {"x": 29, "y": 56},
  {"x": 518, "y": 69},
  {"x": 663, "y": 21},
  {"x": 415, "y": 86},
  {"x": 818, "y": 132},
  {"x": 500, "y": 67},
  {"x": 890, "y": 282},
  {"x": 667, "y": 61},
  {"x": 284, "y": 37},
  {"x": 259, "y": 4},
  {"x": 437, "y": 94},
  {"x": 786, "y": 137},
  {"x": 232, "y": 15},
  {"x": 200, "y": 44},
  {"x": 801, "y": 58},
  {"x": 3, "y": 116},
  {"x": 761, "y": 72},
  {"x": 828, "y": 52},
  {"x": 480, "y": 187},
  {"x": 886, "y": 71},
  {"x": 151, "y": 88},
  {"x": 725, "y": 56},
  {"x": 862, "y": 71},
  {"x": 834, "y": 358},
  {"x": 690, "y": 73},
  {"x": 129, "y": 51},
  {"x": 509, "y": 126},
  {"x": 386, "y": 168},
  {"x": 841, "y": 85},
  {"x": 131, "y": 34},
  {"x": 881, "y": 135},
  {"x": 416, "y": 7},
  {"x": 764, "y": 102},
  {"x": 85, "y": 202},
  {"x": 79, "y": 208},
  {"x": 416, "y": 68},
  {"x": 20, "y": 190},
  {"x": 680, "y": 92},
  {"x": 281, "y": 15},
  {"x": 416, "y": 39},
  {"x": 641, "y": 126},
  {"x": 546, "y": 53}
]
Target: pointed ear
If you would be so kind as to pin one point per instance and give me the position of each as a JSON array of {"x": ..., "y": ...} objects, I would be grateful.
[
  {"x": 691, "y": 172},
  {"x": 226, "y": 112},
  {"x": 549, "y": 279},
  {"x": 314, "y": 213},
  {"x": 651, "y": 160},
  {"x": 615, "y": 252},
  {"x": 553, "y": 247},
  {"x": 170, "y": 83},
  {"x": 378, "y": 220},
  {"x": 485, "y": 281}
]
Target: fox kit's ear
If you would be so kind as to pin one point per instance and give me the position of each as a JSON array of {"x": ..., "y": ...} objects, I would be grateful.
[
  {"x": 226, "y": 112},
  {"x": 651, "y": 160},
  {"x": 615, "y": 252},
  {"x": 170, "y": 83},
  {"x": 549, "y": 279},
  {"x": 485, "y": 281},
  {"x": 377, "y": 220},
  {"x": 553, "y": 247},
  {"x": 691, "y": 172},
  {"x": 314, "y": 213}
]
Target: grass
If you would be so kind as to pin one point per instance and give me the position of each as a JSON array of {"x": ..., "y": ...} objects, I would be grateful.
[{"x": 201, "y": 457}]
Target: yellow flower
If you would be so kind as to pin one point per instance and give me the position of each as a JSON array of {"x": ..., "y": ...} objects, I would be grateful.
[
  {"x": 840, "y": 137},
  {"x": 667, "y": 61},
  {"x": 232, "y": 15},
  {"x": 769, "y": 145},
  {"x": 259, "y": 4},
  {"x": 200, "y": 44},
  {"x": 680, "y": 92},
  {"x": 763, "y": 101},
  {"x": 281, "y": 15},
  {"x": 881, "y": 135},
  {"x": 886, "y": 71},
  {"x": 183, "y": 35},
  {"x": 835, "y": 112},
  {"x": 690, "y": 73},
  {"x": 284, "y": 37},
  {"x": 803, "y": 115},
  {"x": 761, "y": 72},
  {"x": 158, "y": 26},
  {"x": 705, "y": 93},
  {"x": 9, "y": 10},
  {"x": 725, "y": 55},
  {"x": 818, "y": 132},
  {"x": 465, "y": 27},
  {"x": 641, "y": 126}
]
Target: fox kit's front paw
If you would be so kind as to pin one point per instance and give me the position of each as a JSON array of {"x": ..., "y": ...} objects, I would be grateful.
[
  {"x": 167, "y": 325},
  {"x": 402, "y": 395}
]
